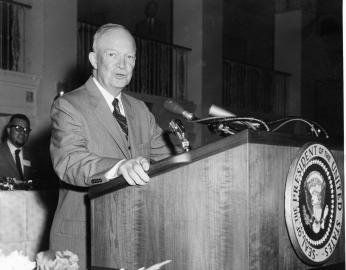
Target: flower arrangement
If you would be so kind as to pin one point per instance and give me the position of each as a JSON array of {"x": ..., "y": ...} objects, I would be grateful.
[
  {"x": 60, "y": 260},
  {"x": 49, "y": 260},
  {"x": 15, "y": 261},
  {"x": 45, "y": 260}
]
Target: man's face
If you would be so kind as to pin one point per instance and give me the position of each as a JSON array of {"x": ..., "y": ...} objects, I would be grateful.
[
  {"x": 114, "y": 60},
  {"x": 18, "y": 132}
]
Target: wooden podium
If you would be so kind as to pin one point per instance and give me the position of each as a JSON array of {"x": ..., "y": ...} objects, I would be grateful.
[{"x": 224, "y": 209}]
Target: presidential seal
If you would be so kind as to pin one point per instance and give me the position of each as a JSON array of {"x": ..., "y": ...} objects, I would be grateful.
[{"x": 314, "y": 204}]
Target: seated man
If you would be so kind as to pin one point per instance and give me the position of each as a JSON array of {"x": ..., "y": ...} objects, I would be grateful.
[{"x": 14, "y": 159}]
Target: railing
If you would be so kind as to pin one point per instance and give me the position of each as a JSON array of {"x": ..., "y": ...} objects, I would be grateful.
[
  {"x": 253, "y": 89},
  {"x": 12, "y": 30},
  {"x": 161, "y": 68}
]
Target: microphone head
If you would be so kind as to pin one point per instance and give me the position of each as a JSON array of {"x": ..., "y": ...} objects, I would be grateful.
[
  {"x": 173, "y": 107},
  {"x": 217, "y": 111}
]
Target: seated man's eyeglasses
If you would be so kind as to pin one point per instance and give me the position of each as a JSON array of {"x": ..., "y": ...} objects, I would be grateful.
[{"x": 20, "y": 129}]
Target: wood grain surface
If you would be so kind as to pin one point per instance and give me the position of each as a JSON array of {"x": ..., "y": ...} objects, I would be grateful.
[{"x": 222, "y": 211}]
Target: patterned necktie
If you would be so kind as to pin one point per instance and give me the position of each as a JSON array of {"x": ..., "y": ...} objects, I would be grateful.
[
  {"x": 19, "y": 164},
  {"x": 120, "y": 118}
]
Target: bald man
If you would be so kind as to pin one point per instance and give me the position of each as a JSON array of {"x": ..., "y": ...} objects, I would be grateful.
[{"x": 99, "y": 133}]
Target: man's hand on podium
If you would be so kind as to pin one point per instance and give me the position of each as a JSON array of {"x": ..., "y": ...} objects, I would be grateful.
[{"x": 135, "y": 171}]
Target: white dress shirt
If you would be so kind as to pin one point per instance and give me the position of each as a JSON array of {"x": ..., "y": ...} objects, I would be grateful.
[{"x": 109, "y": 98}]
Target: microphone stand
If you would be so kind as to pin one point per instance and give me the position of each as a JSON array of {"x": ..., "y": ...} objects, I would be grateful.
[
  {"x": 178, "y": 129},
  {"x": 227, "y": 123}
]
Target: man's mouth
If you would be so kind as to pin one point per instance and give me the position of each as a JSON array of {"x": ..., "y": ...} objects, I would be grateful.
[{"x": 120, "y": 76}]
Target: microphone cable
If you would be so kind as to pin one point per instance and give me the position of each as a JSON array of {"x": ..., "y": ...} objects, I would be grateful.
[{"x": 315, "y": 128}]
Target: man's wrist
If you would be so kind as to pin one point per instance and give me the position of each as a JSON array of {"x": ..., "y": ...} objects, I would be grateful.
[{"x": 113, "y": 172}]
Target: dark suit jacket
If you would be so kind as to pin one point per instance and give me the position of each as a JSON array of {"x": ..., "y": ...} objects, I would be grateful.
[
  {"x": 8, "y": 165},
  {"x": 86, "y": 142}
]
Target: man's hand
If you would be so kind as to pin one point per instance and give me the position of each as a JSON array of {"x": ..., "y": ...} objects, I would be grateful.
[{"x": 134, "y": 171}]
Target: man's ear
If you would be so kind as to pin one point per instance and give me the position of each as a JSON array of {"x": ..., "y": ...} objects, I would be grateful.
[{"x": 92, "y": 59}]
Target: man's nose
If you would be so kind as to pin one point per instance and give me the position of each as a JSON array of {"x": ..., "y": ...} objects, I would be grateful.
[{"x": 121, "y": 61}]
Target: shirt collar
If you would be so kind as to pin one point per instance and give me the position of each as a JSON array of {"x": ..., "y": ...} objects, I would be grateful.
[
  {"x": 108, "y": 97},
  {"x": 12, "y": 147}
]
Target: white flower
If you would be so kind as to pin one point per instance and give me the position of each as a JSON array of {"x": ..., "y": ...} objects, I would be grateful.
[
  {"x": 60, "y": 260},
  {"x": 15, "y": 261}
]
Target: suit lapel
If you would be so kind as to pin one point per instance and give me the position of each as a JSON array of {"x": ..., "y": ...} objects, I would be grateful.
[
  {"x": 105, "y": 117},
  {"x": 27, "y": 168},
  {"x": 130, "y": 117},
  {"x": 8, "y": 156}
]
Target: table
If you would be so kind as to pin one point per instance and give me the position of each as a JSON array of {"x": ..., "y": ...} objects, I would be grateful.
[{"x": 25, "y": 220}]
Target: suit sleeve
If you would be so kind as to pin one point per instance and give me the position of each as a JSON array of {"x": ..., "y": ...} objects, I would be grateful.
[
  {"x": 73, "y": 162},
  {"x": 159, "y": 147}
]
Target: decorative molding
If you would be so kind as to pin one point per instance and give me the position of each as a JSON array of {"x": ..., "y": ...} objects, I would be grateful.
[{"x": 18, "y": 93}]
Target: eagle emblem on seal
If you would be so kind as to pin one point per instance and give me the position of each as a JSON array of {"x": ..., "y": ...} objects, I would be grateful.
[{"x": 315, "y": 210}]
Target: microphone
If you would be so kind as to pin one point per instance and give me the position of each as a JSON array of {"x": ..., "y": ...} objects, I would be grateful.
[
  {"x": 174, "y": 107},
  {"x": 217, "y": 111},
  {"x": 178, "y": 129}
]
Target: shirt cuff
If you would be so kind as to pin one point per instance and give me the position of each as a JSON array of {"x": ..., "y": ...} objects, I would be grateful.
[{"x": 113, "y": 172}]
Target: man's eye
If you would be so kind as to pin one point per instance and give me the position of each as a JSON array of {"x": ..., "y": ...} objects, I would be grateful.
[
  {"x": 131, "y": 57},
  {"x": 112, "y": 54}
]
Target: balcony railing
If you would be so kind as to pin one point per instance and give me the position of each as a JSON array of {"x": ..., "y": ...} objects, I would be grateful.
[
  {"x": 252, "y": 89},
  {"x": 12, "y": 32},
  {"x": 161, "y": 68}
]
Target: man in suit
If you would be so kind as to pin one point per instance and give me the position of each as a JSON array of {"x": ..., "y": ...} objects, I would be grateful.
[
  {"x": 99, "y": 133},
  {"x": 14, "y": 157}
]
